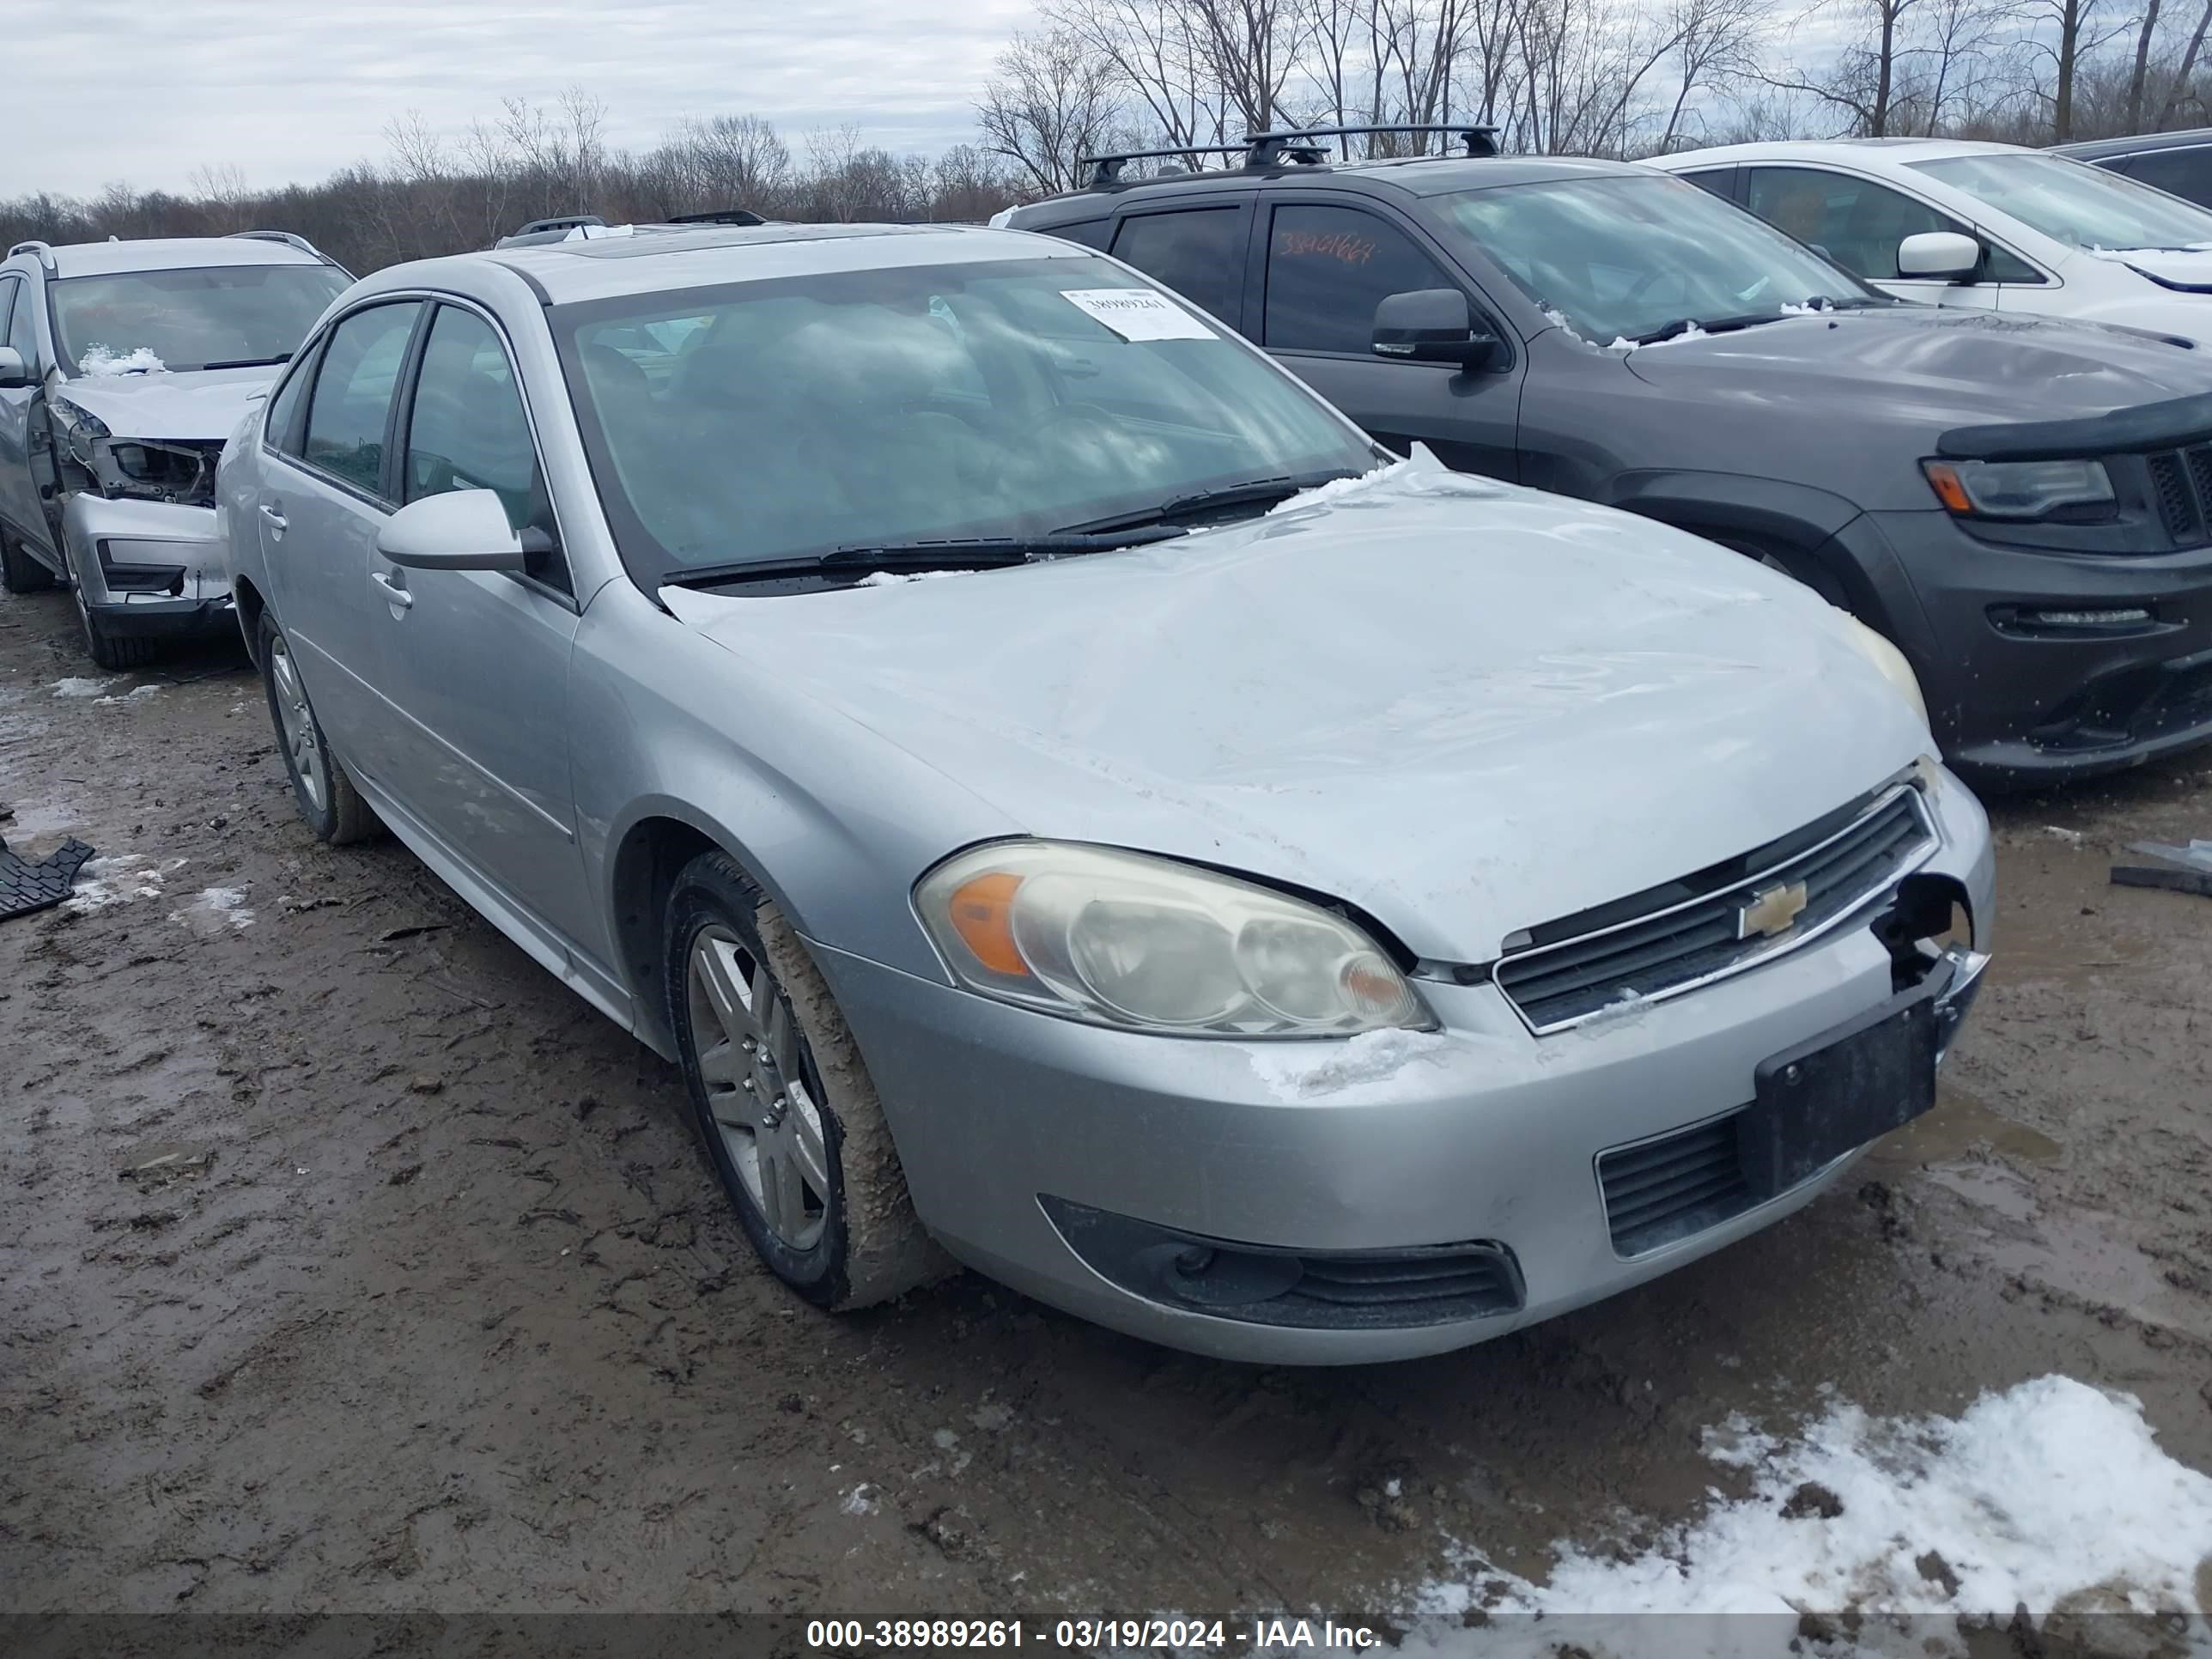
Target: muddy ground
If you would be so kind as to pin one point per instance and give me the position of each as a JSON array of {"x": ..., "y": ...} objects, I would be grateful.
[{"x": 454, "y": 1317}]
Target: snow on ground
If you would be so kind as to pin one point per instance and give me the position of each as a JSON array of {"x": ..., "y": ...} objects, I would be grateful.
[
  {"x": 2053, "y": 1495},
  {"x": 118, "y": 879},
  {"x": 214, "y": 908},
  {"x": 1303, "y": 1070},
  {"x": 74, "y": 687},
  {"x": 136, "y": 694},
  {"x": 140, "y": 360}
]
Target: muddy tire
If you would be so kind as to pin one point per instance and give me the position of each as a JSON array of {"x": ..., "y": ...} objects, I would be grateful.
[
  {"x": 326, "y": 796},
  {"x": 110, "y": 650},
  {"x": 19, "y": 572},
  {"x": 793, "y": 1123}
]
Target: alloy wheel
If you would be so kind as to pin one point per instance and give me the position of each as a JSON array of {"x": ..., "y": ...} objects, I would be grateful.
[
  {"x": 298, "y": 720},
  {"x": 752, "y": 1060}
]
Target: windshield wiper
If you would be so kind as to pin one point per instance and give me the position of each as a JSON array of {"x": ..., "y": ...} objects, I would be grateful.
[
  {"x": 252, "y": 362},
  {"x": 1682, "y": 325},
  {"x": 973, "y": 553},
  {"x": 1252, "y": 492}
]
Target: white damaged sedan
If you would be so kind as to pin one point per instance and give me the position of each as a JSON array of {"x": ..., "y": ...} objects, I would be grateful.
[{"x": 1277, "y": 903}]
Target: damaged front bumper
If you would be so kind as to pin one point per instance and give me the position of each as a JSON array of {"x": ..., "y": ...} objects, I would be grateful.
[{"x": 147, "y": 568}]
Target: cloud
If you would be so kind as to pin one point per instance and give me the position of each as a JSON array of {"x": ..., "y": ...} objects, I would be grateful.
[{"x": 103, "y": 91}]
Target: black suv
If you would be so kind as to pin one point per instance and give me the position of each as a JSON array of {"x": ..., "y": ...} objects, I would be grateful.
[{"x": 2024, "y": 505}]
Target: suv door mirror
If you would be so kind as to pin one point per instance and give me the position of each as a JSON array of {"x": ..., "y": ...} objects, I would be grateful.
[
  {"x": 1942, "y": 256},
  {"x": 459, "y": 529},
  {"x": 14, "y": 371},
  {"x": 1431, "y": 325}
]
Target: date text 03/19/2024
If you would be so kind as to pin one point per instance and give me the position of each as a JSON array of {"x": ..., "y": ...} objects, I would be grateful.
[{"x": 1088, "y": 1635}]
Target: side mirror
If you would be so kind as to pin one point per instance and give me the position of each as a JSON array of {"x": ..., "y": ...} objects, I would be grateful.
[
  {"x": 1431, "y": 325},
  {"x": 459, "y": 529},
  {"x": 14, "y": 371},
  {"x": 1941, "y": 256}
]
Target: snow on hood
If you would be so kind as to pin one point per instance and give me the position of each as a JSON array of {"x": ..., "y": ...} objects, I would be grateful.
[
  {"x": 2186, "y": 268},
  {"x": 99, "y": 362},
  {"x": 190, "y": 405},
  {"x": 1468, "y": 707}
]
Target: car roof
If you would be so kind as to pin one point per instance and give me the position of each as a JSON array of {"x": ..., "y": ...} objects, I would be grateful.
[
  {"x": 662, "y": 261},
  {"x": 1415, "y": 175},
  {"x": 1901, "y": 151},
  {"x": 2188, "y": 138},
  {"x": 172, "y": 254}
]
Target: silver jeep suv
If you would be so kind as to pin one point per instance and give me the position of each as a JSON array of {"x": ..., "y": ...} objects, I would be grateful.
[{"x": 122, "y": 367}]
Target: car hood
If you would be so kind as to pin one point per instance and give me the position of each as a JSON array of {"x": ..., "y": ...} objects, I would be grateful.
[
  {"x": 1463, "y": 706},
  {"x": 1896, "y": 365},
  {"x": 198, "y": 404}
]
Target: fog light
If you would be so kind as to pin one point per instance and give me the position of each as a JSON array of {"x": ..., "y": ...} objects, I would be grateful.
[{"x": 2122, "y": 617}]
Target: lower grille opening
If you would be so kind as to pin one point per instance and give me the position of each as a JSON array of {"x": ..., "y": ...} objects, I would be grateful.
[
  {"x": 1667, "y": 1189},
  {"x": 1264, "y": 1285}
]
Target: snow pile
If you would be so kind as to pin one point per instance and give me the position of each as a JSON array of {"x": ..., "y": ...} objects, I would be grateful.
[
  {"x": 894, "y": 578},
  {"x": 214, "y": 908},
  {"x": 74, "y": 687},
  {"x": 1303, "y": 1069},
  {"x": 99, "y": 362},
  {"x": 136, "y": 694},
  {"x": 1336, "y": 489},
  {"x": 2052, "y": 1496}
]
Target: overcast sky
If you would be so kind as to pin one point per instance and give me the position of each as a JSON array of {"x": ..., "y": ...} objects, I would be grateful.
[{"x": 147, "y": 91}]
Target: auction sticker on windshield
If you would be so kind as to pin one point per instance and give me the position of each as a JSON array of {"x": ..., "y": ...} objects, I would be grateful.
[{"x": 1137, "y": 313}]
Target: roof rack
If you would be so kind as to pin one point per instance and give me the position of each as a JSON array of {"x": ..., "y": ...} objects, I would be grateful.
[
  {"x": 1478, "y": 138},
  {"x": 1263, "y": 151},
  {"x": 43, "y": 250},
  {"x": 717, "y": 216},
  {"x": 291, "y": 239}
]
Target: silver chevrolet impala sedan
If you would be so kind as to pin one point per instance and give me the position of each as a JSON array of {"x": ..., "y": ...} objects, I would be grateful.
[{"x": 1071, "y": 804}]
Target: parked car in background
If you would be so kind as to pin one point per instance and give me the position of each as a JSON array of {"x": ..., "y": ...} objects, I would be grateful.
[
  {"x": 1985, "y": 226},
  {"x": 122, "y": 367},
  {"x": 2179, "y": 163},
  {"x": 2019, "y": 508},
  {"x": 1275, "y": 910}
]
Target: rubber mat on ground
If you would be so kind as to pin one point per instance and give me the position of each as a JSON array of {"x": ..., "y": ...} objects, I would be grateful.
[{"x": 25, "y": 886}]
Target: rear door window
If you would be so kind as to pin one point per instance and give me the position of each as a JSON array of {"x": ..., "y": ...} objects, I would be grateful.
[
  {"x": 352, "y": 402},
  {"x": 1328, "y": 268},
  {"x": 1197, "y": 252}
]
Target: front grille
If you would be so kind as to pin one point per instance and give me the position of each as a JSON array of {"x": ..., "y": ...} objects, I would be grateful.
[
  {"x": 1267, "y": 1284},
  {"x": 1667, "y": 1189},
  {"x": 2181, "y": 484},
  {"x": 1682, "y": 935}
]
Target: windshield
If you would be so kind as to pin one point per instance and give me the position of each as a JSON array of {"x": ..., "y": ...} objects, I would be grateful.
[
  {"x": 1618, "y": 259},
  {"x": 184, "y": 319},
  {"x": 2074, "y": 203},
  {"x": 775, "y": 420}
]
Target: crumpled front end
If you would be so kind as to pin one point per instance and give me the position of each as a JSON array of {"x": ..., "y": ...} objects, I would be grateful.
[{"x": 148, "y": 568}]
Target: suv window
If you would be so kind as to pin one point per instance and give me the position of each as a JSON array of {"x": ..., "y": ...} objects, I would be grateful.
[
  {"x": 467, "y": 429},
  {"x": 346, "y": 416},
  {"x": 2185, "y": 172},
  {"x": 7, "y": 286},
  {"x": 1197, "y": 252},
  {"x": 1327, "y": 269},
  {"x": 1859, "y": 224}
]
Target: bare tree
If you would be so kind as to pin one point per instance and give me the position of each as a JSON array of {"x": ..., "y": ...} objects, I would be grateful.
[{"x": 1053, "y": 99}]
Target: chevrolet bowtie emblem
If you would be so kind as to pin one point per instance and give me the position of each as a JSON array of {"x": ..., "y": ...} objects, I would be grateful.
[{"x": 1771, "y": 910}]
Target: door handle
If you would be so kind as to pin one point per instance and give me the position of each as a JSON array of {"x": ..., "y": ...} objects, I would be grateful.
[
  {"x": 393, "y": 594},
  {"x": 274, "y": 515}
]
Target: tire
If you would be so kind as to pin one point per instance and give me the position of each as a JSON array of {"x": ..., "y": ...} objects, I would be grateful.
[
  {"x": 321, "y": 790},
  {"x": 19, "y": 572},
  {"x": 109, "y": 650},
  {"x": 794, "y": 1126}
]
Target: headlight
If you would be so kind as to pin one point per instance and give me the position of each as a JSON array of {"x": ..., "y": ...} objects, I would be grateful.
[
  {"x": 1890, "y": 660},
  {"x": 1120, "y": 939},
  {"x": 80, "y": 430},
  {"x": 2018, "y": 489}
]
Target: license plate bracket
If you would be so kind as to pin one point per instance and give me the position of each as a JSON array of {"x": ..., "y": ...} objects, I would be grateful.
[{"x": 1840, "y": 1090}]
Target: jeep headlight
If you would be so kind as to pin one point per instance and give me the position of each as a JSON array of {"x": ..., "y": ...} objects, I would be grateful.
[
  {"x": 1890, "y": 660},
  {"x": 1125, "y": 939},
  {"x": 2019, "y": 490}
]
